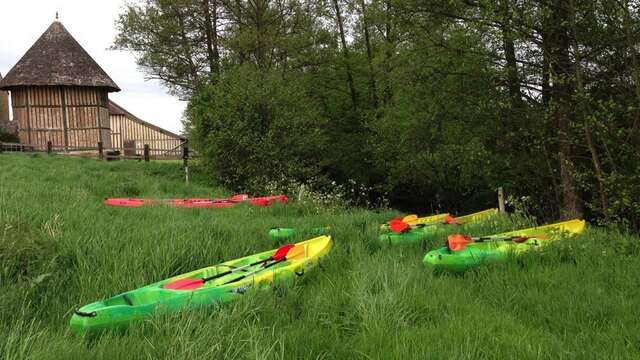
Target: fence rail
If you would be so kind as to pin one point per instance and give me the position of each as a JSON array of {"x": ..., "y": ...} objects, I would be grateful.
[{"x": 145, "y": 153}]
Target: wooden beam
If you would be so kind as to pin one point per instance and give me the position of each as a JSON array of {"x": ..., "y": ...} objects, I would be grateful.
[
  {"x": 65, "y": 118},
  {"x": 28, "y": 116}
]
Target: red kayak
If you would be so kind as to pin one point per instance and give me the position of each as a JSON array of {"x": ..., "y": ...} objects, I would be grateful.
[{"x": 199, "y": 203}]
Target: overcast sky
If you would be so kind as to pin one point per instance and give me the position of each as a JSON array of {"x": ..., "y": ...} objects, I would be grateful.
[{"x": 91, "y": 22}]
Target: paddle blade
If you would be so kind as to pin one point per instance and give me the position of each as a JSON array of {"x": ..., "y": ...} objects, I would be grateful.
[
  {"x": 450, "y": 220},
  {"x": 282, "y": 252},
  {"x": 297, "y": 252},
  {"x": 398, "y": 226},
  {"x": 410, "y": 218},
  {"x": 457, "y": 242},
  {"x": 185, "y": 284}
]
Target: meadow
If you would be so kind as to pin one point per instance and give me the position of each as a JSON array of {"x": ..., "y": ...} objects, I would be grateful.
[{"x": 61, "y": 248}]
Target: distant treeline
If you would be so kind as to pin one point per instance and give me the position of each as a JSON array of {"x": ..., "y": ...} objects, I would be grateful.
[{"x": 431, "y": 104}]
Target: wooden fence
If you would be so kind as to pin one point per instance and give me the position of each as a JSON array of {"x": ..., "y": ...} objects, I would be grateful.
[{"x": 146, "y": 153}]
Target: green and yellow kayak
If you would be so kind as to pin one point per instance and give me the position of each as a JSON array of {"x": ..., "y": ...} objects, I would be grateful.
[
  {"x": 429, "y": 232},
  {"x": 384, "y": 228},
  {"x": 280, "y": 233},
  {"x": 224, "y": 283},
  {"x": 479, "y": 253}
]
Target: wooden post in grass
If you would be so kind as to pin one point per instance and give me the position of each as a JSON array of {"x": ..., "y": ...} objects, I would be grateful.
[
  {"x": 146, "y": 153},
  {"x": 49, "y": 147},
  {"x": 185, "y": 160},
  {"x": 100, "y": 150},
  {"x": 501, "y": 204}
]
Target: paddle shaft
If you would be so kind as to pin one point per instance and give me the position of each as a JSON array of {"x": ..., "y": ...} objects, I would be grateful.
[
  {"x": 417, "y": 226},
  {"x": 500, "y": 238},
  {"x": 254, "y": 272},
  {"x": 212, "y": 277}
]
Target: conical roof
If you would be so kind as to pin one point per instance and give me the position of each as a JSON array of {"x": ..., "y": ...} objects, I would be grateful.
[{"x": 57, "y": 59}]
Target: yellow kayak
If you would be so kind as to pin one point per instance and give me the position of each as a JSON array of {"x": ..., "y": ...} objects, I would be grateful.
[{"x": 479, "y": 216}]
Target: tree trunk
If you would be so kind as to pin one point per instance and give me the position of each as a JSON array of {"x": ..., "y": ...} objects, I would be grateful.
[
  {"x": 211, "y": 34},
  {"x": 388, "y": 54},
  {"x": 562, "y": 91},
  {"x": 583, "y": 112},
  {"x": 367, "y": 40},
  {"x": 627, "y": 23},
  {"x": 546, "y": 81},
  {"x": 260, "y": 8},
  {"x": 345, "y": 53},
  {"x": 186, "y": 47},
  {"x": 513, "y": 80}
]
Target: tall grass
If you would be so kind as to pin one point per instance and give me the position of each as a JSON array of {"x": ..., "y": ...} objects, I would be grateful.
[{"x": 61, "y": 248}]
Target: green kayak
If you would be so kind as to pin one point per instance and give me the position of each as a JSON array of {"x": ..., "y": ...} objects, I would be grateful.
[
  {"x": 491, "y": 251},
  {"x": 432, "y": 230},
  {"x": 288, "y": 233},
  {"x": 414, "y": 220},
  {"x": 201, "y": 288}
]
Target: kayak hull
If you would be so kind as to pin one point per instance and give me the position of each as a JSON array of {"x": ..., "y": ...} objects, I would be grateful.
[
  {"x": 384, "y": 228},
  {"x": 430, "y": 232},
  {"x": 411, "y": 237},
  {"x": 481, "y": 253},
  {"x": 478, "y": 216},
  {"x": 120, "y": 311},
  {"x": 288, "y": 233},
  {"x": 196, "y": 203}
]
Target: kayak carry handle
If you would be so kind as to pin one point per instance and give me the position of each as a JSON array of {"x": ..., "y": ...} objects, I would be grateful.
[{"x": 85, "y": 314}]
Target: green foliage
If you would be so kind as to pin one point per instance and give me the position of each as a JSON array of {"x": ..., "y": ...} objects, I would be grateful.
[
  {"x": 255, "y": 128},
  {"x": 429, "y": 104},
  {"x": 9, "y": 138}
]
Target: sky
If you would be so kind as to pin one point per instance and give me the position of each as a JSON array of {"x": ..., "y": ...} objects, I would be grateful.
[{"x": 92, "y": 24}]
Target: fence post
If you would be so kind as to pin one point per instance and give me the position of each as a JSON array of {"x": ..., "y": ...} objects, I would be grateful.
[
  {"x": 49, "y": 147},
  {"x": 146, "y": 153},
  {"x": 501, "y": 200},
  {"x": 1, "y": 147},
  {"x": 100, "y": 150},
  {"x": 185, "y": 159}
]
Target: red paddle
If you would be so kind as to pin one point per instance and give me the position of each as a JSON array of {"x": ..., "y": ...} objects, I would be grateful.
[
  {"x": 192, "y": 284},
  {"x": 398, "y": 226},
  {"x": 450, "y": 220},
  {"x": 457, "y": 242}
]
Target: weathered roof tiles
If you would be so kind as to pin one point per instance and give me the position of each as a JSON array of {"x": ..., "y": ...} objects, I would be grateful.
[{"x": 56, "y": 59}]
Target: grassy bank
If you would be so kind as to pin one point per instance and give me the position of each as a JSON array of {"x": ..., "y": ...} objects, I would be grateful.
[{"x": 61, "y": 248}]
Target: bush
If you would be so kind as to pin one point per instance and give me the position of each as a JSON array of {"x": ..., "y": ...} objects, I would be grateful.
[
  {"x": 8, "y": 138},
  {"x": 253, "y": 128}
]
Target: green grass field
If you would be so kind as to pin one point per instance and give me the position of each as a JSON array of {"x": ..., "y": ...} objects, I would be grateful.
[{"x": 61, "y": 248}]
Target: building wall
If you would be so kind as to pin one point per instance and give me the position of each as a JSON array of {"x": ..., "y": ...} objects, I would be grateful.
[
  {"x": 73, "y": 118},
  {"x": 128, "y": 133},
  {"x": 4, "y": 107}
]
